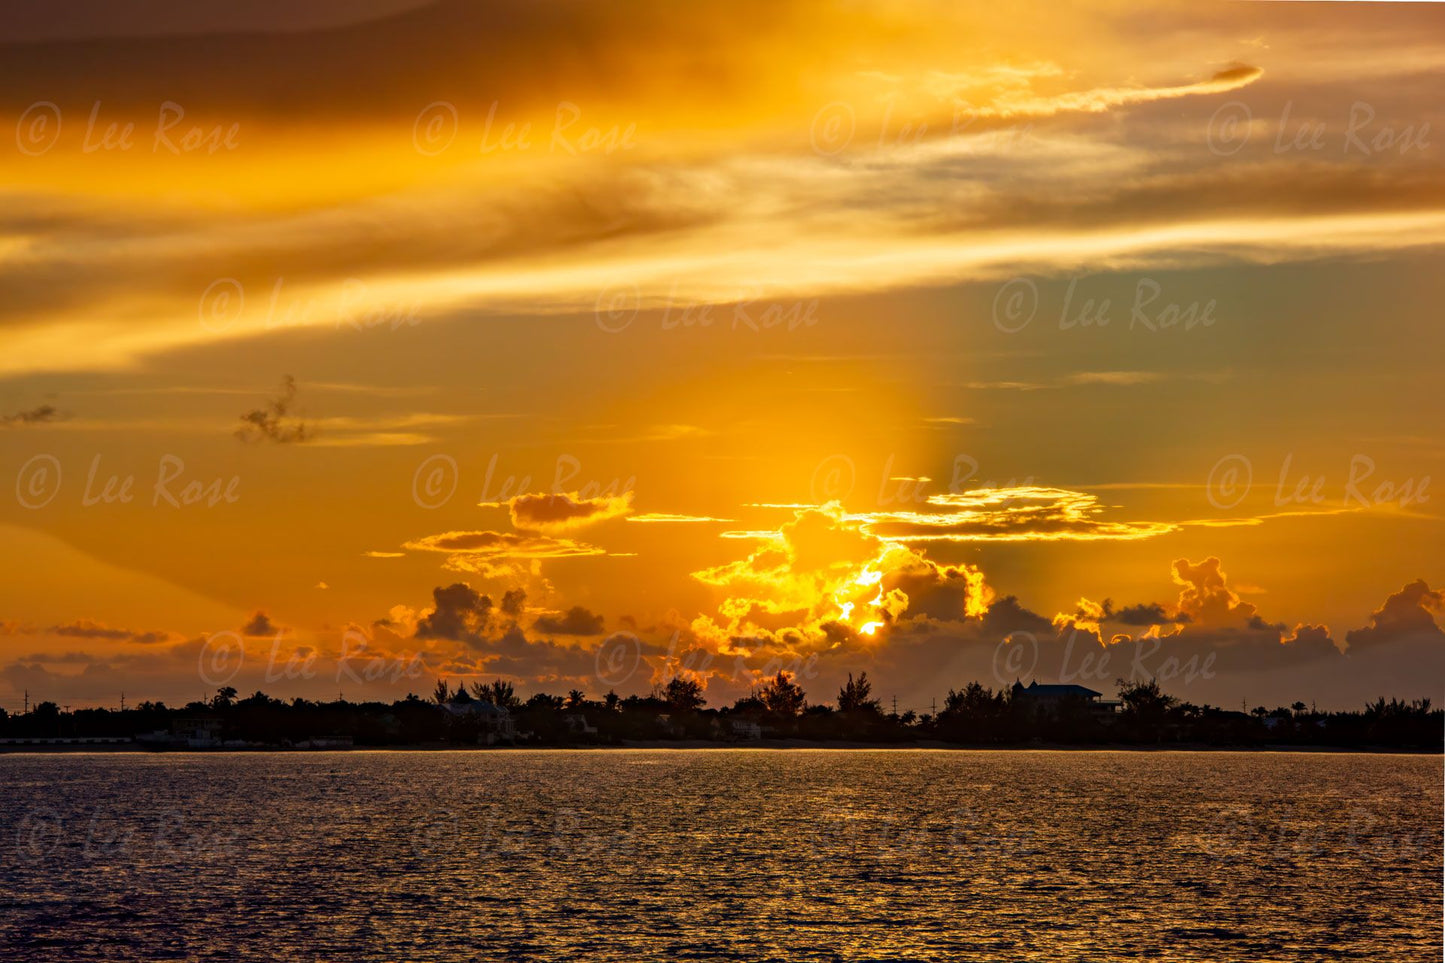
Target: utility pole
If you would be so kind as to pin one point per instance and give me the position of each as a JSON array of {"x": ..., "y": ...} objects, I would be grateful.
[
  {"x": 27, "y": 702},
  {"x": 895, "y": 705},
  {"x": 122, "y": 702}
]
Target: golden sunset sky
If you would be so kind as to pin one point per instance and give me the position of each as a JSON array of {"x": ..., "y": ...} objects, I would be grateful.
[{"x": 583, "y": 344}]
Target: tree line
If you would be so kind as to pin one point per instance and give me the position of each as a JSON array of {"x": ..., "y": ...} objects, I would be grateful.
[{"x": 975, "y": 715}]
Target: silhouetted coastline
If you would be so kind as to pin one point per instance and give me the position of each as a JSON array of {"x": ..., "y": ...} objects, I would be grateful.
[{"x": 778, "y": 715}]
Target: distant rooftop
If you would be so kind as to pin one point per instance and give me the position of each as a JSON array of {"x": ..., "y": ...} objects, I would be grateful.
[{"x": 1035, "y": 691}]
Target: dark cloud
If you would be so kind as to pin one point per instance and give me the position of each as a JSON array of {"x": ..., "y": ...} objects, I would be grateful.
[
  {"x": 461, "y": 614},
  {"x": 942, "y": 592},
  {"x": 86, "y": 19},
  {"x": 562, "y": 511},
  {"x": 275, "y": 421},
  {"x": 1144, "y": 615},
  {"x": 547, "y": 665},
  {"x": 38, "y": 415},
  {"x": 1006, "y": 616},
  {"x": 59, "y": 658},
  {"x": 468, "y": 52},
  {"x": 96, "y": 682},
  {"x": 259, "y": 625},
  {"x": 576, "y": 621},
  {"x": 513, "y": 601},
  {"x": 88, "y": 629},
  {"x": 478, "y": 551},
  {"x": 1141, "y": 615},
  {"x": 1405, "y": 614}
]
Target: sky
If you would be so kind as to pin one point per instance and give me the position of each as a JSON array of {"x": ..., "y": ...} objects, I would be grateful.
[{"x": 347, "y": 346}]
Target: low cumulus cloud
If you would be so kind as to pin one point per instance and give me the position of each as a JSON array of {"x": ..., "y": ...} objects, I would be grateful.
[
  {"x": 259, "y": 624},
  {"x": 460, "y": 614},
  {"x": 823, "y": 578},
  {"x": 551, "y": 513},
  {"x": 916, "y": 626},
  {"x": 1405, "y": 615},
  {"x": 575, "y": 621},
  {"x": 88, "y": 629},
  {"x": 488, "y": 553}
]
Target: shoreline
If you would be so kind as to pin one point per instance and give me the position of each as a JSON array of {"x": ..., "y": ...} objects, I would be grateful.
[{"x": 776, "y": 745}]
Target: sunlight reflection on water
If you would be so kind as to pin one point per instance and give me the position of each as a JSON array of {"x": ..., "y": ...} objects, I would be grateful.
[{"x": 721, "y": 854}]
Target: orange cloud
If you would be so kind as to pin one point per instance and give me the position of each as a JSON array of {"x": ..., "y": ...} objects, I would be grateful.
[
  {"x": 822, "y": 579},
  {"x": 563, "y": 511},
  {"x": 1024, "y": 513},
  {"x": 502, "y": 545}
]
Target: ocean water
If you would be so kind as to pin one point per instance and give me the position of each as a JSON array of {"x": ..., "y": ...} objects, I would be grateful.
[{"x": 721, "y": 854}]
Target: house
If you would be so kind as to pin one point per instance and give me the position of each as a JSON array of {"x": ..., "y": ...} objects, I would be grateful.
[
  {"x": 578, "y": 725},
  {"x": 494, "y": 723},
  {"x": 1048, "y": 698},
  {"x": 188, "y": 732},
  {"x": 197, "y": 732},
  {"x": 745, "y": 729}
]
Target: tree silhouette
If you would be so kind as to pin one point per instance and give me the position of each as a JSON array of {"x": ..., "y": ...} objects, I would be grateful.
[
  {"x": 856, "y": 696},
  {"x": 683, "y": 695},
  {"x": 441, "y": 693},
  {"x": 782, "y": 696},
  {"x": 975, "y": 713},
  {"x": 1145, "y": 707},
  {"x": 503, "y": 695}
]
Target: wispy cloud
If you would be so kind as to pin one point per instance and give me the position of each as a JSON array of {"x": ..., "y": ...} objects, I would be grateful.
[{"x": 275, "y": 421}]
